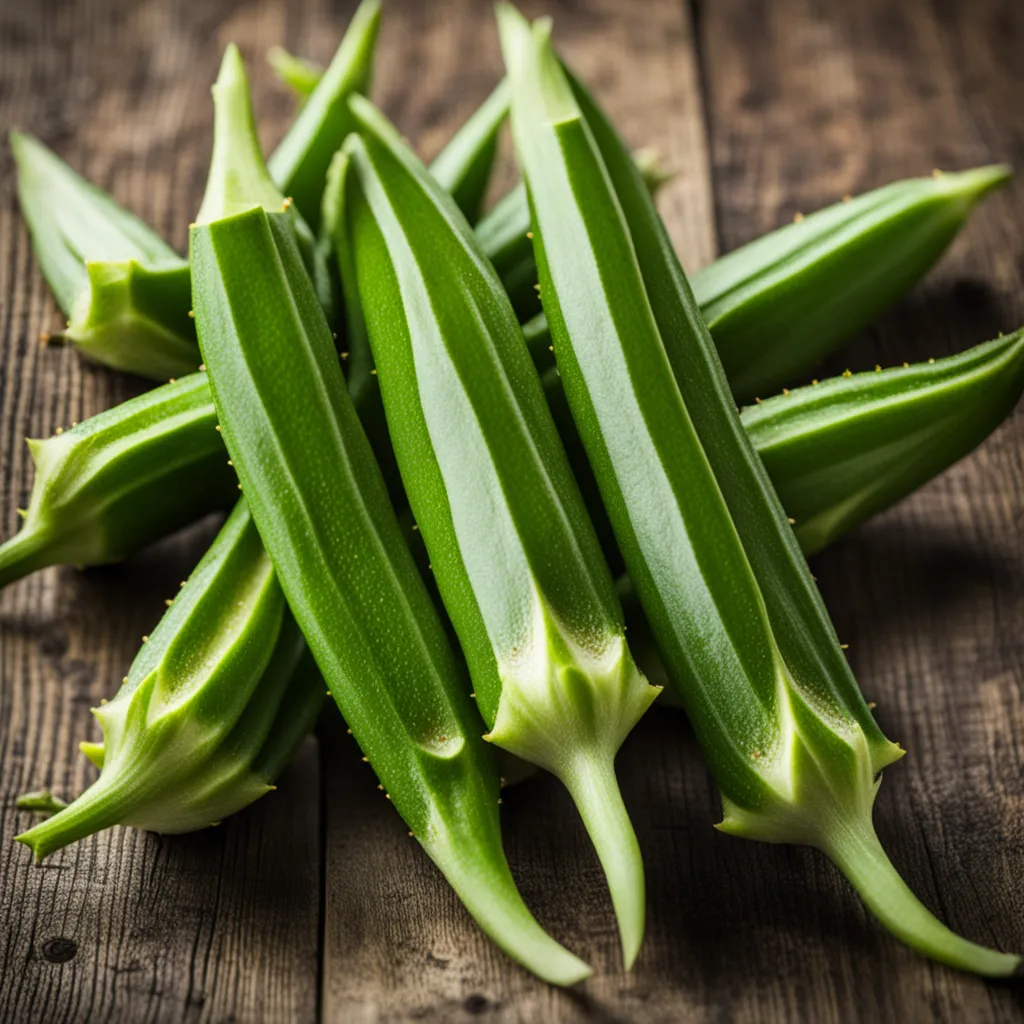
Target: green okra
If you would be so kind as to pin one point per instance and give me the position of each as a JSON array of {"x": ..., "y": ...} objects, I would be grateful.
[
  {"x": 299, "y": 164},
  {"x": 514, "y": 555},
  {"x": 124, "y": 290},
  {"x": 131, "y": 475},
  {"x": 778, "y": 305},
  {"x": 842, "y": 450},
  {"x": 829, "y": 450},
  {"x": 464, "y": 166},
  {"x": 323, "y": 513},
  {"x": 123, "y": 479},
  {"x": 211, "y": 711},
  {"x": 300, "y": 75},
  {"x": 742, "y": 630},
  {"x": 819, "y": 281}
]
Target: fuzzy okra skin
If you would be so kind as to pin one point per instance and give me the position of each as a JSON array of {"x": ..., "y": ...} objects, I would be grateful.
[
  {"x": 515, "y": 558},
  {"x": 123, "y": 479},
  {"x": 844, "y": 449},
  {"x": 740, "y": 625},
  {"x": 504, "y": 234},
  {"x": 211, "y": 711}
]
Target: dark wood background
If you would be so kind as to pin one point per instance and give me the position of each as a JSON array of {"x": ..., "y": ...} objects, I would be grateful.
[{"x": 313, "y": 903}]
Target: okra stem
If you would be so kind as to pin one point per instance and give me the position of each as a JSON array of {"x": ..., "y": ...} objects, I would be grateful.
[
  {"x": 590, "y": 778},
  {"x": 858, "y": 853},
  {"x": 30, "y": 549}
]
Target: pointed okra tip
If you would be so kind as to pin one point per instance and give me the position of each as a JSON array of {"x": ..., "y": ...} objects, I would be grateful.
[
  {"x": 857, "y": 852},
  {"x": 975, "y": 184},
  {"x": 238, "y": 178}
]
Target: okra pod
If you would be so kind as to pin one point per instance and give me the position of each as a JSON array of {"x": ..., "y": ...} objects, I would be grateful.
[
  {"x": 323, "y": 513},
  {"x": 778, "y": 305},
  {"x": 211, "y": 711},
  {"x": 463, "y": 168},
  {"x": 504, "y": 234},
  {"x": 299, "y": 164},
  {"x": 121, "y": 480},
  {"x": 133, "y": 474},
  {"x": 742, "y": 630},
  {"x": 515, "y": 558},
  {"x": 843, "y": 450},
  {"x": 829, "y": 450},
  {"x": 300, "y": 75},
  {"x": 124, "y": 290},
  {"x": 465, "y": 164}
]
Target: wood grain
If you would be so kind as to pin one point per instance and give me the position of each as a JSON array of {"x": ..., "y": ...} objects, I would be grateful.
[
  {"x": 125, "y": 926},
  {"x": 315, "y": 904},
  {"x": 807, "y": 102}
]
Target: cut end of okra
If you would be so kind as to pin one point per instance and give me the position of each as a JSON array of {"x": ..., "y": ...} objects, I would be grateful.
[
  {"x": 238, "y": 178},
  {"x": 135, "y": 318}
]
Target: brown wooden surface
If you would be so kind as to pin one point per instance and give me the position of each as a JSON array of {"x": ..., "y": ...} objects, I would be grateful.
[{"x": 315, "y": 902}]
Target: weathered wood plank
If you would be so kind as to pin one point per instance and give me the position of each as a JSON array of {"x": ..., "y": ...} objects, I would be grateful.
[
  {"x": 124, "y": 927},
  {"x": 807, "y": 102}
]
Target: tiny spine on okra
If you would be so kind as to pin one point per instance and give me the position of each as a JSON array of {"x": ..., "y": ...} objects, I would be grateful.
[
  {"x": 515, "y": 558},
  {"x": 745, "y": 637},
  {"x": 324, "y": 515},
  {"x": 211, "y": 711}
]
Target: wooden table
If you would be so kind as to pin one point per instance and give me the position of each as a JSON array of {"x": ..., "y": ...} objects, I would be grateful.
[{"x": 314, "y": 904}]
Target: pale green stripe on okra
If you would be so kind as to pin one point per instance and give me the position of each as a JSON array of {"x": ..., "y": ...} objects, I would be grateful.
[
  {"x": 778, "y": 305},
  {"x": 213, "y": 707},
  {"x": 514, "y": 555},
  {"x": 740, "y": 625},
  {"x": 323, "y": 513}
]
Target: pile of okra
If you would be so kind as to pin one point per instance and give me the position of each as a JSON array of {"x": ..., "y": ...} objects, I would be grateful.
[{"x": 488, "y": 480}]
